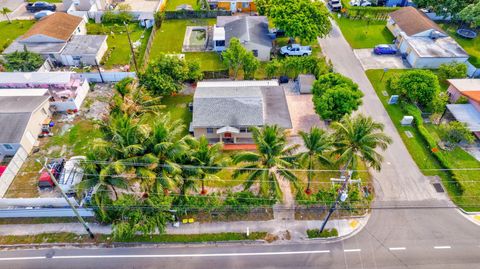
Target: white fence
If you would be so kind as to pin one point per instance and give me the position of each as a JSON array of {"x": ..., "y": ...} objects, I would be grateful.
[
  {"x": 12, "y": 169},
  {"x": 10, "y": 203},
  {"x": 106, "y": 76}
]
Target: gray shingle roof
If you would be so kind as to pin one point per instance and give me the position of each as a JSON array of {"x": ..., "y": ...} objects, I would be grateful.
[
  {"x": 84, "y": 44},
  {"x": 218, "y": 107},
  {"x": 240, "y": 107},
  {"x": 15, "y": 114},
  {"x": 252, "y": 29}
]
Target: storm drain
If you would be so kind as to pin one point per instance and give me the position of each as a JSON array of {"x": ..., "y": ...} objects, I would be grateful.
[{"x": 438, "y": 187}]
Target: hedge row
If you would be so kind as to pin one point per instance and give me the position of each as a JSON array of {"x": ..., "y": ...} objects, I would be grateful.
[{"x": 432, "y": 143}]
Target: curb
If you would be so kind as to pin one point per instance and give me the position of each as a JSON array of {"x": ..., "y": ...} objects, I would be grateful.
[
  {"x": 346, "y": 236},
  {"x": 129, "y": 245}
]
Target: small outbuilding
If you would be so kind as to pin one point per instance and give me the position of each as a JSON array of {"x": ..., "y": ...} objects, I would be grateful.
[{"x": 305, "y": 83}]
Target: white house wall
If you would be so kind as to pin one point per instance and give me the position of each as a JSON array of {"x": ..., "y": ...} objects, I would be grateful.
[{"x": 434, "y": 63}]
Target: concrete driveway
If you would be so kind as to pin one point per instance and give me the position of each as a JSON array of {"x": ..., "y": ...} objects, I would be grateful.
[
  {"x": 302, "y": 113},
  {"x": 369, "y": 60}
]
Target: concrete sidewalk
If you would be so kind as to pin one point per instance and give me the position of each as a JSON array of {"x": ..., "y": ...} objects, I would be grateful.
[{"x": 296, "y": 228}]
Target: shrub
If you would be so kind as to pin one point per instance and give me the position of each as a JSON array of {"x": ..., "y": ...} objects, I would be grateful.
[
  {"x": 452, "y": 70},
  {"x": 417, "y": 86},
  {"x": 119, "y": 17},
  {"x": 315, "y": 233},
  {"x": 23, "y": 61},
  {"x": 456, "y": 132}
]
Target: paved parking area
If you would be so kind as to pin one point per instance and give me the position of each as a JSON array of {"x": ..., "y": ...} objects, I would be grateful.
[
  {"x": 369, "y": 60},
  {"x": 302, "y": 113}
]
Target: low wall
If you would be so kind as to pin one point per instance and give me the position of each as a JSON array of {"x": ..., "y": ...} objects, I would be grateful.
[
  {"x": 106, "y": 76},
  {"x": 12, "y": 169},
  {"x": 197, "y": 14}
]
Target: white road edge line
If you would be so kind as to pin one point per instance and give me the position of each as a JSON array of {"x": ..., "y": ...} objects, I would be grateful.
[
  {"x": 352, "y": 250},
  {"x": 398, "y": 248},
  {"x": 23, "y": 258},
  {"x": 192, "y": 255},
  {"x": 442, "y": 247}
]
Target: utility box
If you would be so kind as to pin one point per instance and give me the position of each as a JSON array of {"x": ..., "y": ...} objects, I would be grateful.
[{"x": 407, "y": 120}]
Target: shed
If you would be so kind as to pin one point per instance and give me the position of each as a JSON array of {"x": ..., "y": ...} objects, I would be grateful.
[{"x": 305, "y": 83}]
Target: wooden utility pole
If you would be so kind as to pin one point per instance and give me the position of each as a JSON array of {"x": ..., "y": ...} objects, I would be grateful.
[{"x": 131, "y": 47}]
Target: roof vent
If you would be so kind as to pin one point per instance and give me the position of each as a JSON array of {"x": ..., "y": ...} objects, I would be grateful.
[{"x": 434, "y": 34}]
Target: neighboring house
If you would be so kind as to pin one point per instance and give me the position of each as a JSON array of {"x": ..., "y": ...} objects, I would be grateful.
[
  {"x": 67, "y": 90},
  {"x": 468, "y": 113},
  {"x": 62, "y": 39},
  {"x": 396, "y": 3},
  {"x": 422, "y": 41},
  {"x": 233, "y": 5},
  {"x": 21, "y": 118},
  {"x": 252, "y": 31},
  {"x": 224, "y": 110}
]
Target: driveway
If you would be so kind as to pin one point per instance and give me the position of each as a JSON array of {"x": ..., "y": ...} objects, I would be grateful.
[
  {"x": 370, "y": 60},
  {"x": 302, "y": 113},
  {"x": 14, "y": 5},
  {"x": 400, "y": 179}
]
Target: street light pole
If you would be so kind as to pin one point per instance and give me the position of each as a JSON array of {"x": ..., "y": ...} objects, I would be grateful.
[
  {"x": 333, "y": 207},
  {"x": 131, "y": 47},
  {"x": 66, "y": 198}
]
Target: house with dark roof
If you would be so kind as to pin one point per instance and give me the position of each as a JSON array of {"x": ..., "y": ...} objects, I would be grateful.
[
  {"x": 225, "y": 110},
  {"x": 422, "y": 41},
  {"x": 252, "y": 31},
  {"x": 21, "y": 118},
  {"x": 63, "y": 39}
]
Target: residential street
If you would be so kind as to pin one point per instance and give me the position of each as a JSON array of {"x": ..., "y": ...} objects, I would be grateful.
[{"x": 400, "y": 178}]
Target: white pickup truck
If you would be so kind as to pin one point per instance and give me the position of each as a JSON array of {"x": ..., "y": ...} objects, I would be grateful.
[{"x": 296, "y": 50}]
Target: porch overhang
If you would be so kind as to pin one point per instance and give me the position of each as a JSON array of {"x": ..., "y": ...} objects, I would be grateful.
[{"x": 228, "y": 129}]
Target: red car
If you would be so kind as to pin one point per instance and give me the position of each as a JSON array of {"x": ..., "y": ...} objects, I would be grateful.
[{"x": 56, "y": 167}]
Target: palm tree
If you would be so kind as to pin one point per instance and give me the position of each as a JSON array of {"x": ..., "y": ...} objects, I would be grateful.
[
  {"x": 318, "y": 143},
  {"x": 167, "y": 144},
  {"x": 206, "y": 159},
  {"x": 5, "y": 12},
  {"x": 273, "y": 158},
  {"x": 358, "y": 137}
]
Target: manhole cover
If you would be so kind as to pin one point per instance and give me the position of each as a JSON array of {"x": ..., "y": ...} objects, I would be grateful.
[
  {"x": 438, "y": 187},
  {"x": 408, "y": 134}
]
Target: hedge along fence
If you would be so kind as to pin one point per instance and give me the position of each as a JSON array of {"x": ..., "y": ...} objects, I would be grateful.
[
  {"x": 196, "y": 14},
  {"x": 146, "y": 55},
  {"x": 219, "y": 74},
  {"x": 433, "y": 145}
]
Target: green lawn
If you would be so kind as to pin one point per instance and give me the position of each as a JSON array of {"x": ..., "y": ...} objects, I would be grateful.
[
  {"x": 177, "y": 106},
  {"x": 424, "y": 157},
  {"x": 172, "y": 4},
  {"x": 365, "y": 34},
  {"x": 10, "y": 31},
  {"x": 471, "y": 46},
  {"x": 118, "y": 53},
  {"x": 169, "y": 39}
]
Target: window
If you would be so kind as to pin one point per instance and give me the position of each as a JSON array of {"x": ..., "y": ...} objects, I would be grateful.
[
  {"x": 245, "y": 4},
  {"x": 209, "y": 130},
  {"x": 220, "y": 43},
  {"x": 243, "y": 130},
  {"x": 7, "y": 146},
  {"x": 76, "y": 58},
  {"x": 44, "y": 111},
  {"x": 78, "y": 29}
]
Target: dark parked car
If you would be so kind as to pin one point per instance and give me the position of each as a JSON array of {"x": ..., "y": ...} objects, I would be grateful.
[
  {"x": 385, "y": 49},
  {"x": 39, "y": 6},
  {"x": 56, "y": 167}
]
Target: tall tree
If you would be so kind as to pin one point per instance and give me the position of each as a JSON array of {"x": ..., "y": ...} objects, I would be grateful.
[
  {"x": 358, "y": 137},
  {"x": 250, "y": 65},
  {"x": 445, "y": 7},
  {"x": 5, "y": 12},
  {"x": 206, "y": 159},
  {"x": 318, "y": 144},
  {"x": 304, "y": 19},
  {"x": 272, "y": 158},
  {"x": 471, "y": 14},
  {"x": 335, "y": 95},
  {"x": 418, "y": 86},
  {"x": 234, "y": 56}
]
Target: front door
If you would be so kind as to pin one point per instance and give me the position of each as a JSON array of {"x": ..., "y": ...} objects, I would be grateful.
[
  {"x": 227, "y": 138},
  {"x": 233, "y": 6}
]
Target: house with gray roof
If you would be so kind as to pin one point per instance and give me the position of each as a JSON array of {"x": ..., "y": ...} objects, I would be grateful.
[
  {"x": 225, "y": 111},
  {"x": 21, "y": 119},
  {"x": 252, "y": 31}
]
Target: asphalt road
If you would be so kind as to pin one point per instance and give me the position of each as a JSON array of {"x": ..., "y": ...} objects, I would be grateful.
[{"x": 411, "y": 225}]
